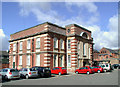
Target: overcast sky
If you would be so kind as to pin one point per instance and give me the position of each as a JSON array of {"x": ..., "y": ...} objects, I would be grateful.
[{"x": 99, "y": 17}]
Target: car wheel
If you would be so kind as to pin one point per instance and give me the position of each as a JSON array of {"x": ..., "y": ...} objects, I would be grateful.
[
  {"x": 77, "y": 72},
  {"x": 27, "y": 77},
  {"x": 59, "y": 73},
  {"x": 6, "y": 77},
  {"x": 98, "y": 71},
  {"x": 105, "y": 70},
  {"x": 88, "y": 72}
]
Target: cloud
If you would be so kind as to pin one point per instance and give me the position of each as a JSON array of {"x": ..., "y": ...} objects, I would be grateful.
[
  {"x": 4, "y": 44},
  {"x": 43, "y": 12},
  {"x": 108, "y": 38}
]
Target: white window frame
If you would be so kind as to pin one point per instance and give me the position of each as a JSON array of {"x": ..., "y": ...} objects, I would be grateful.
[
  {"x": 69, "y": 61},
  {"x": 55, "y": 42},
  {"x": 20, "y": 60},
  {"x": 38, "y": 42},
  {"x": 21, "y": 43},
  {"x": 28, "y": 44},
  {"x": 69, "y": 44},
  {"x": 37, "y": 59},
  {"x": 14, "y": 47},
  {"x": 28, "y": 60}
]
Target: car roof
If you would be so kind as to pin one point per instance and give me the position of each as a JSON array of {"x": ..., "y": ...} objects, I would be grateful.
[
  {"x": 59, "y": 67},
  {"x": 40, "y": 67}
]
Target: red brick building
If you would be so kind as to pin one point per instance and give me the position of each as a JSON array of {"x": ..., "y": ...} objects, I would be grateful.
[
  {"x": 106, "y": 54},
  {"x": 50, "y": 45},
  {"x": 4, "y": 59}
]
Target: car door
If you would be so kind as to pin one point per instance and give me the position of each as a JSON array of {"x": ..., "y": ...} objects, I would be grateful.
[
  {"x": 85, "y": 70},
  {"x": 53, "y": 70},
  {"x": 81, "y": 70}
]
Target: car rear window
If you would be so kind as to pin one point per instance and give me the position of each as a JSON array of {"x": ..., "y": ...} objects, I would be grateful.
[
  {"x": 13, "y": 70},
  {"x": 32, "y": 69}
]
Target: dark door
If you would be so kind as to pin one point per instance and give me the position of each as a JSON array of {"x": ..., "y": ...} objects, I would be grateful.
[{"x": 13, "y": 64}]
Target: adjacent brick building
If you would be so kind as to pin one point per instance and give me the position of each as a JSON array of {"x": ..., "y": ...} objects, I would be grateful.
[
  {"x": 107, "y": 55},
  {"x": 50, "y": 45},
  {"x": 4, "y": 59}
]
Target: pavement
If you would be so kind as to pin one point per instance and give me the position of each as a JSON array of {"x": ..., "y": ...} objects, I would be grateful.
[{"x": 108, "y": 78}]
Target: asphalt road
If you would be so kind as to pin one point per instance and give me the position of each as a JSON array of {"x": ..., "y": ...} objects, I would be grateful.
[{"x": 108, "y": 78}]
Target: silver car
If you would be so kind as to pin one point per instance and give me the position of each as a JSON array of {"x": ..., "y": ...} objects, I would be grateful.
[
  {"x": 28, "y": 72},
  {"x": 9, "y": 73}
]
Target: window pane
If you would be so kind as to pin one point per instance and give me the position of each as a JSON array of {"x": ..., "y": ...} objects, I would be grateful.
[
  {"x": 55, "y": 43},
  {"x": 20, "y": 60},
  {"x": 55, "y": 58},
  {"x": 69, "y": 45},
  {"x": 62, "y": 44},
  {"x": 28, "y": 59},
  {"x": 28, "y": 44},
  {"x": 38, "y": 43},
  {"x": 14, "y": 47},
  {"x": 69, "y": 60},
  {"x": 38, "y": 60},
  {"x": 20, "y": 45}
]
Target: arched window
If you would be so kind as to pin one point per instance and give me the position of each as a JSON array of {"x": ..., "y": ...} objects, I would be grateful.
[{"x": 84, "y": 35}]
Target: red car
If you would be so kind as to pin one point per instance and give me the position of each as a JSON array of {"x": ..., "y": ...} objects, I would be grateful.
[
  {"x": 97, "y": 69},
  {"x": 59, "y": 70},
  {"x": 85, "y": 69}
]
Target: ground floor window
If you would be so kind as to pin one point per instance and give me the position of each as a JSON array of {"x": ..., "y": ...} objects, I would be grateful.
[
  {"x": 37, "y": 59},
  {"x": 13, "y": 61},
  {"x": 20, "y": 60},
  {"x": 28, "y": 60},
  {"x": 62, "y": 61},
  {"x": 69, "y": 60},
  {"x": 55, "y": 60}
]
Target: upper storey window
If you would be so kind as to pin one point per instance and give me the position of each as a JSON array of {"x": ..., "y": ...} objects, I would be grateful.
[
  {"x": 28, "y": 44},
  {"x": 55, "y": 43},
  {"x": 14, "y": 47},
  {"x": 38, "y": 43},
  {"x": 21, "y": 45},
  {"x": 68, "y": 31},
  {"x": 62, "y": 44}
]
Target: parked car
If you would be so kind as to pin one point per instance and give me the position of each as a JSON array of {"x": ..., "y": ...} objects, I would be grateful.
[
  {"x": 85, "y": 69},
  {"x": 43, "y": 71},
  {"x": 28, "y": 72},
  {"x": 59, "y": 70},
  {"x": 0, "y": 77},
  {"x": 106, "y": 67},
  {"x": 8, "y": 74},
  {"x": 116, "y": 66},
  {"x": 97, "y": 69}
]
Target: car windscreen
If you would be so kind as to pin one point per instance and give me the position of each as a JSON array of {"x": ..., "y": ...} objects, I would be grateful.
[{"x": 32, "y": 69}]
